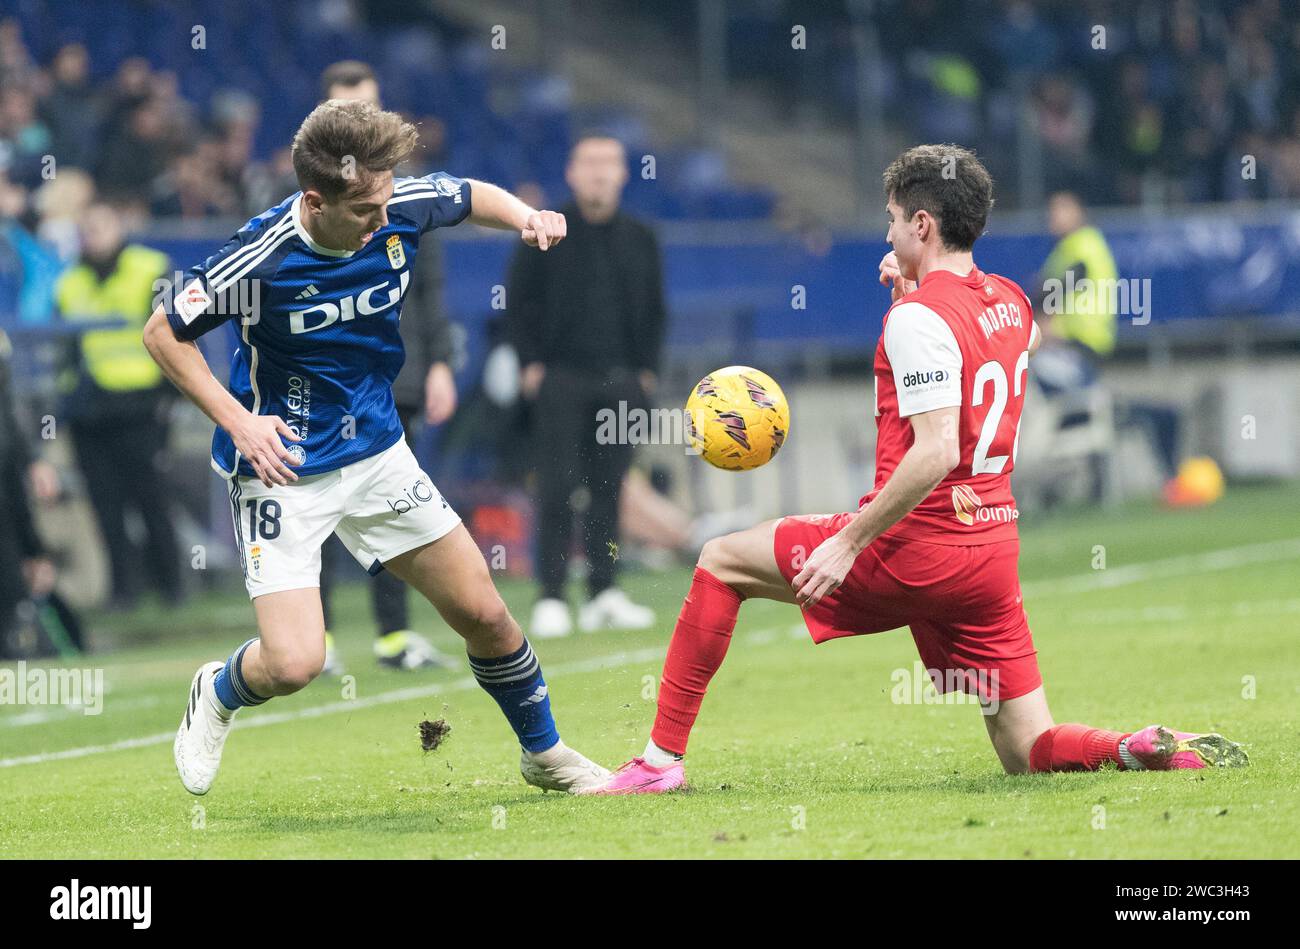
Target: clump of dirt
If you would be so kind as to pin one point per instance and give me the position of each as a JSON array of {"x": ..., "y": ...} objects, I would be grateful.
[{"x": 433, "y": 734}]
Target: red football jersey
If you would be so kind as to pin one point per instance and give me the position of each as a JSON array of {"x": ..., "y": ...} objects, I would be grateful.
[{"x": 956, "y": 341}]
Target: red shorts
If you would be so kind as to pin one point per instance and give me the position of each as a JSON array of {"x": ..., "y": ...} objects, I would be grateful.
[{"x": 963, "y": 604}]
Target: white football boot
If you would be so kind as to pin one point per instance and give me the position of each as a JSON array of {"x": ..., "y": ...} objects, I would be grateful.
[
  {"x": 202, "y": 734},
  {"x": 550, "y": 620},
  {"x": 611, "y": 609},
  {"x": 560, "y": 768}
]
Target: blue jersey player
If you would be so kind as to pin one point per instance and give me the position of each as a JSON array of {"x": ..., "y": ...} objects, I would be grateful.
[{"x": 309, "y": 439}]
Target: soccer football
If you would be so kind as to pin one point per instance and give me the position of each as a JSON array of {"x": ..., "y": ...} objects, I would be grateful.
[{"x": 737, "y": 418}]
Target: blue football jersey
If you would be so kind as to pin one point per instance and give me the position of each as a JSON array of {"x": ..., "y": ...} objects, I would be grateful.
[{"x": 318, "y": 328}]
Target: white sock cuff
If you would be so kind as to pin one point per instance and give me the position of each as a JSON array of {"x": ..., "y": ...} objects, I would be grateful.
[
  {"x": 1130, "y": 762},
  {"x": 658, "y": 757}
]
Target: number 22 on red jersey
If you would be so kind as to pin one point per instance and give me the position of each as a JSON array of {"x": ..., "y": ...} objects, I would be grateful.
[{"x": 957, "y": 342}]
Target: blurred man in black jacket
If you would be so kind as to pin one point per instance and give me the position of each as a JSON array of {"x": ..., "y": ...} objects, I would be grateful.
[
  {"x": 588, "y": 322},
  {"x": 425, "y": 390},
  {"x": 26, "y": 572}
]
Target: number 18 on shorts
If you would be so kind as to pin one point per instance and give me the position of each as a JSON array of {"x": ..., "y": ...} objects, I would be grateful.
[{"x": 380, "y": 507}]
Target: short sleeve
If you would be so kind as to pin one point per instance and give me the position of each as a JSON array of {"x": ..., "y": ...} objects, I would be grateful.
[
  {"x": 436, "y": 200},
  {"x": 216, "y": 290},
  {"x": 925, "y": 358}
]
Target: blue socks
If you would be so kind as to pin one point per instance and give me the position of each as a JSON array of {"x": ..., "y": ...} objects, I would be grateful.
[
  {"x": 516, "y": 682},
  {"x": 232, "y": 691}
]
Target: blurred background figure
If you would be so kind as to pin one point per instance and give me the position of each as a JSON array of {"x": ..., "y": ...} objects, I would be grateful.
[
  {"x": 1083, "y": 327},
  {"x": 34, "y": 620},
  {"x": 661, "y": 533},
  {"x": 1078, "y": 325},
  {"x": 1080, "y": 291},
  {"x": 21, "y": 552},
  {"x": 588, "y": 322},
  {"x": 117, "y": 404},
  {"x": 425, "y": 393},
  {"x": 29, "y": 265}
]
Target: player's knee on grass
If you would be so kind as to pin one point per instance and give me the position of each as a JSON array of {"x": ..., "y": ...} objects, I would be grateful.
[
  {"x": 1014, "y": 756},
  {"x": 1015, "y": 727},
  {"x": 1013, "y": 746}
]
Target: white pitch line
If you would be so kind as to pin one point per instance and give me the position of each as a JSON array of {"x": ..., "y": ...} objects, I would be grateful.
[
  {"x": 594, "y": 664},
  {"x": 1226, "y": 559},
  {"x": 61, "y": 713},
  {"x": 1178, "y": 613}
]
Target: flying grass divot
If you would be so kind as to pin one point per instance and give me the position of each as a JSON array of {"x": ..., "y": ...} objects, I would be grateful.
[{"x": 433, "y": 734}]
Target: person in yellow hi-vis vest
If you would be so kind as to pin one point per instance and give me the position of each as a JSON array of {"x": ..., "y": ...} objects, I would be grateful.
[
  {"x": 1079, "y": 293},
  {"x": 1086, "y": 314},
  {"x": 116, "y": 402}
]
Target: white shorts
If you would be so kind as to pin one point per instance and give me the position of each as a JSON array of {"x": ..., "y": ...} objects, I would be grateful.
[{"x": 380, "y": 507}]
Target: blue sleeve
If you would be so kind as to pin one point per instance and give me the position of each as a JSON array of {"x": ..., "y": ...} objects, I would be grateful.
[
  {"x": 222, "y": 287},
  {"x": 436, "y": 200}
]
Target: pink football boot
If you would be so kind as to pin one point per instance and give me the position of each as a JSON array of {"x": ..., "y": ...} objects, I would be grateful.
[
  {"x": 1158, "y": 748},
  {"x": 640, "y": 777}
]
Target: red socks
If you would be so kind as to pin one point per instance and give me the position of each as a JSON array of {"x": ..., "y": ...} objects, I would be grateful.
[
  {"x": 697, "y": 649},
  {"x": 699, "y": 644},
  {"x": 1075, "y": 748}
]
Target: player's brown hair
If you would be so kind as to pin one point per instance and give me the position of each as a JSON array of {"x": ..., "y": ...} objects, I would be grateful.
[
  {"x": 949, "y": 182},
  {"x": 343, "y": 144}
]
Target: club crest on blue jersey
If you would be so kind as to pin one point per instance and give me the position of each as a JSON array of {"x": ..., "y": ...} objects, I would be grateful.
[{"x": 396, "y": 254}]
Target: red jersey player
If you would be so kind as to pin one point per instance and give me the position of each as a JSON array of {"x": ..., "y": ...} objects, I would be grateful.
[{"x": 934, "y": 545}]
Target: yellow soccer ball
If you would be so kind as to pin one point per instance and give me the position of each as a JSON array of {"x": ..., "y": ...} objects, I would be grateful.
[{"x": 737, "y": 418}]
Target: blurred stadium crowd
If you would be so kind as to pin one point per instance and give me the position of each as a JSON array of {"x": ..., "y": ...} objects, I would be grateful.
[
  {"x": 167, "y": 125},
  {"x": 1145, "y": 101},
  {"x": 1161, "y": 107}
]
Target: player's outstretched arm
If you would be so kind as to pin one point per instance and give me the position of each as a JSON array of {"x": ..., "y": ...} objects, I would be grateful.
[
  {"x": 495, "y": 207},
  {"x": 256, "y": 437},
  {"x": 935, "y": 451}
]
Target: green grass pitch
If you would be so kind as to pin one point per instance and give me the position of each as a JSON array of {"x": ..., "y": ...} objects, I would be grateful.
[{"x": 801, "y": 751}]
